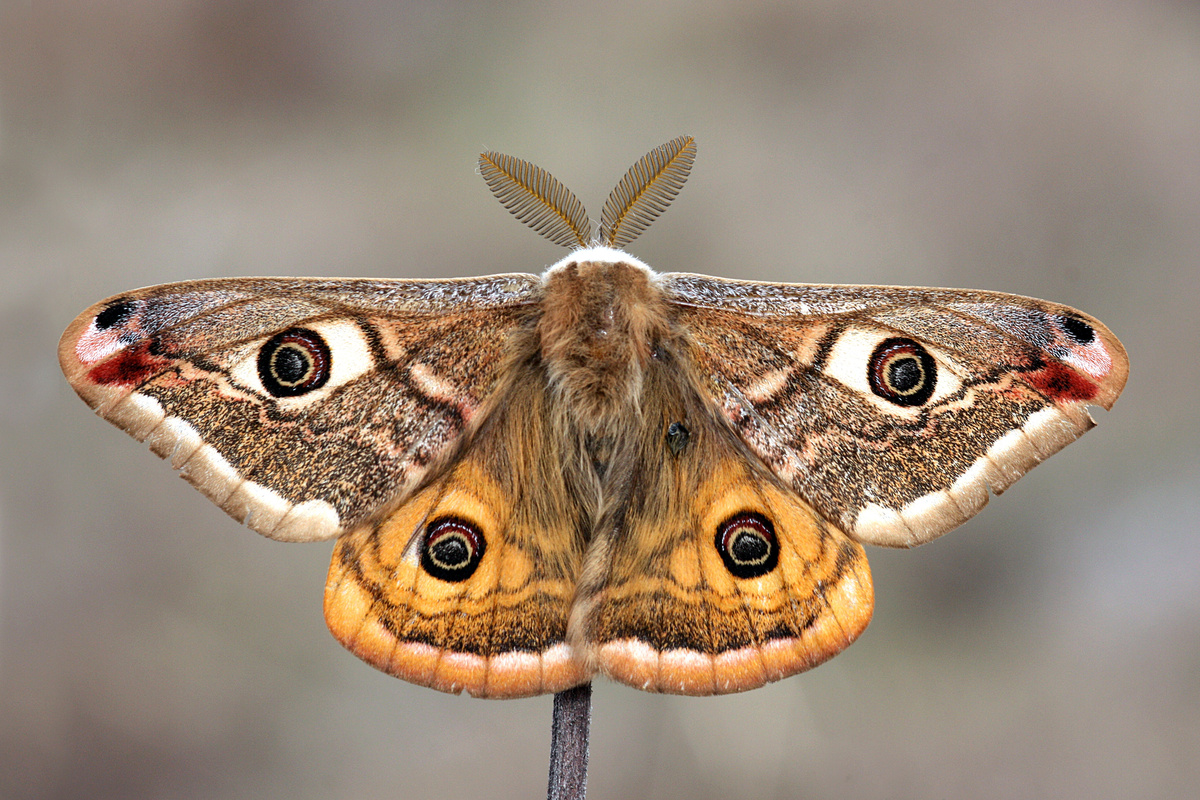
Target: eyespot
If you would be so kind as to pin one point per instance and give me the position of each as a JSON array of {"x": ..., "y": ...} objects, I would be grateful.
[
  {"x": 294, "y": 362},
  {"x": 747, "y": 545},
  {"x": 453, "y": 549},
  {"x": 903, "y": 372},
  {"x": 116, "y": 314},
  {"x": 677, "y": 437},
  {"x": 1079, "y": 331}
]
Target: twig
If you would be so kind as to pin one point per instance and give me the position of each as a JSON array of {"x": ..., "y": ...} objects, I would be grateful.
[{"x": 569, "y": 743}]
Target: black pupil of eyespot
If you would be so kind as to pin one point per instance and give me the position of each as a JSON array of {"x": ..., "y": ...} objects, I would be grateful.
[
  {"x": 452, "y": 551},
  {"x": 749, "y": 547},
  {"x": 905, "y": 374},
  {"x": 291, "y": 364}
]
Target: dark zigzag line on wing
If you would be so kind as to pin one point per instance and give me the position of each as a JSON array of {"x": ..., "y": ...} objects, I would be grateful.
[
  {"x": 513, "y": 642},
  {"x": 782, "y": 630}
]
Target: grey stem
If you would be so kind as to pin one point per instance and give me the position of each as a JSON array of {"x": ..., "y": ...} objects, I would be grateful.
[{"x": 569, "y": 743}]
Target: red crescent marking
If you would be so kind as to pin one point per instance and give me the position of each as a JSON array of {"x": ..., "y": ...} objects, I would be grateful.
[
  {"x": 1061, "y": 383},
  {"x": 131, "y": 366}
]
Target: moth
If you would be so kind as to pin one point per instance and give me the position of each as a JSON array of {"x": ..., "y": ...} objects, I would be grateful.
[{"x": 664, "y": 478}]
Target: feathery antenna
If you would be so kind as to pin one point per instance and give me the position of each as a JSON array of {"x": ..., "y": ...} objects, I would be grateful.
[
  {"x": 646, "y": 190},
  {"x": 536, "y": 197}
]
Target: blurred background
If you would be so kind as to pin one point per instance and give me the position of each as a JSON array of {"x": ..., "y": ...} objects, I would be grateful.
[{"x": 151, "y": 647}]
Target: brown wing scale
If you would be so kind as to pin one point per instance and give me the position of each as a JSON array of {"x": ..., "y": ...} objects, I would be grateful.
[{"x": 409, "y": 365}]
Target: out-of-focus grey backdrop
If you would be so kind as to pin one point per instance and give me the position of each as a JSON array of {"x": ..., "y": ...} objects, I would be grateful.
[{"x": 151, "y": 647}]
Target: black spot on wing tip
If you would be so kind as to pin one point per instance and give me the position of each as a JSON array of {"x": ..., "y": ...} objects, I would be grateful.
[
  {"x": 116, "y": 314},
  {"x": 1079, "y": 331}
]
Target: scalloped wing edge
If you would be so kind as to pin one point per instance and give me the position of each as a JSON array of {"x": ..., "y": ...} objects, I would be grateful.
[{"x": 927, "y": 517}]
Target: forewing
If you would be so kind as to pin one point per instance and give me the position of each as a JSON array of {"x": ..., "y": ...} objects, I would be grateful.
[
  {"x": 796, "y": 370},
  {"x": 399, "y": 372}
]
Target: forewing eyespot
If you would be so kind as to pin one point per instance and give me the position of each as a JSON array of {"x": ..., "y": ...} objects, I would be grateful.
[
  {"x": 294, "y": 362},
  {"x": 903, "y": 372}
]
